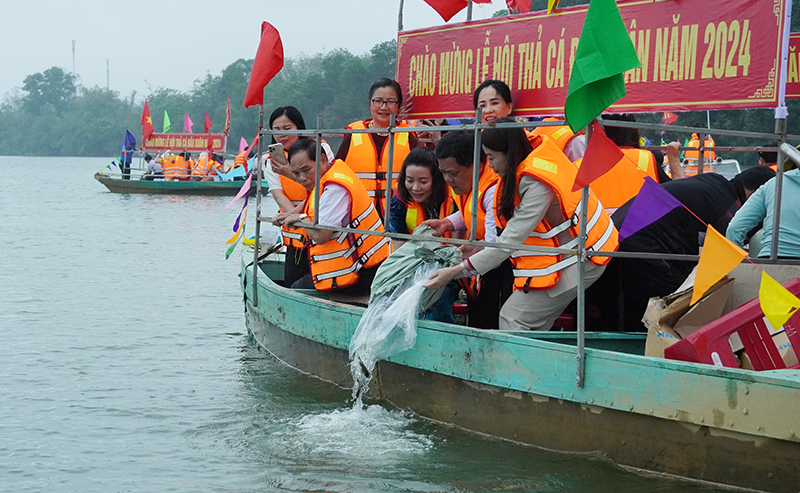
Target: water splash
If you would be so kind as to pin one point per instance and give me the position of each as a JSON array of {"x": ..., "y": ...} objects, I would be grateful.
[{"x": 387, "y": 327}]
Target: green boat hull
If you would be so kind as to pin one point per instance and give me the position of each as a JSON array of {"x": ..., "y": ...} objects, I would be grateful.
[
  {"x": 222, "y": 188},
  {"x": 719, "y": 425}
]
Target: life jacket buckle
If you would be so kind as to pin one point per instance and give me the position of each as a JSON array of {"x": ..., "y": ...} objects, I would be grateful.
[{"x": 527, "y": 287}]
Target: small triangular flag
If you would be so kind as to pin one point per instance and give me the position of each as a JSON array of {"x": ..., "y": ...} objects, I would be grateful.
[
  {"x": 651, "y": 204},
  {"x": 718, "y": 258},
  {"x": 777, "y": 303}
]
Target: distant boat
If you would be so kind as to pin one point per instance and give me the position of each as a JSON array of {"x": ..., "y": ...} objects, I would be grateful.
[
  {"x": 718, "y": 425},
  {"x": 118, "y": 185}
]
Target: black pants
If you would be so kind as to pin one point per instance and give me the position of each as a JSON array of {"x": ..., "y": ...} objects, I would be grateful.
[
  {"x": 295, "y": 266},
  {"x": 496, "y": 286}
]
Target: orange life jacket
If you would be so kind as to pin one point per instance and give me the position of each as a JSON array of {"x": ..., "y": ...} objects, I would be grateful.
[
  {"x": 335, "y": 264},
  {"x": 546, "y": 163},
  {"x": 240, "y": 160},
  {"x": 695, "y": 142},
  {"x": 486, "y": 179},
  {"x": 622, "y": 182},
  {"x": 174, "y": 167},
  {"x": 362, "y": 157},
  {"x": 202, "y": 167},
  {"x": 561, "y": 135}
]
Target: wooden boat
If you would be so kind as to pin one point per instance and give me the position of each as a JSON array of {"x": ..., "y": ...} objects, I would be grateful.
[
  {"x": 705, "y": 423},
  {"x": 118, "y": 185}
]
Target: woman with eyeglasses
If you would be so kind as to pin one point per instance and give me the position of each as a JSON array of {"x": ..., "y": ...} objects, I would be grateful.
[{"x": 368, "y": 154}]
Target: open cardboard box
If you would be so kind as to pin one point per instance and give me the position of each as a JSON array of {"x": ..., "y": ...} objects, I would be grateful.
[{"x": 670, "y": 319}]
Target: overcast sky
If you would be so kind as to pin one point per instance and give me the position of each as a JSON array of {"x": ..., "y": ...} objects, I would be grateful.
[{"x": 171, "y": 43}]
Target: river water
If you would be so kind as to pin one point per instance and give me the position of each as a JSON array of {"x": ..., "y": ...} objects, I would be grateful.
[{"x": 126, "y": 366}]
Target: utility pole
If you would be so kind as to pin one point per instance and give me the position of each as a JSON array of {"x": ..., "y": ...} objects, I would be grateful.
[{"x": 73, "y": 58}]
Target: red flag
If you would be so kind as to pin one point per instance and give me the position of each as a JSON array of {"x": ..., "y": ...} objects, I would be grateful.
[
  {"x": 227, "y": 119},
  {"x": 447, "y": 8},
  {"x": 268, "y": 62},
  {"x": 247, "y": 152},
  {"x": 522, "y": 6},
  {"x": 601, "y": 155},
  {"x": 147, "y": 123},
  {"x": 668, "y": 118},
  {"x": 207, "y": 124}
]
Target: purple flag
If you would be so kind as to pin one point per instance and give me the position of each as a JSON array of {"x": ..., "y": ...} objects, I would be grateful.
[
  {"x": 242, "y": 145},
  {"x": 650, "y": 205},
  {"x": 239, "y": 217}
]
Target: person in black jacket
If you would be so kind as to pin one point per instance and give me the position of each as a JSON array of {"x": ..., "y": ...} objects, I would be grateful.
[{"x": 625, "y": 288}]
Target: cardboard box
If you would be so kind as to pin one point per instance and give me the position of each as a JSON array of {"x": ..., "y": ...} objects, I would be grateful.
[{"x": 670, "y": 319}]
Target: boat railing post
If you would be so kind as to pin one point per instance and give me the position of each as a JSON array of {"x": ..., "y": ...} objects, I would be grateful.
[
  {"x": 701, "y": 155},
  {"x": 316, "y": 170},
  {"x": 580, "y": 350},
  {"x": 476, "y": 169},
  {"x": 780, "y": 128},
  {"x": 469, "y": 10},
  {"x": 257, "y": 236},
  {"x": 389, "y": 165}
]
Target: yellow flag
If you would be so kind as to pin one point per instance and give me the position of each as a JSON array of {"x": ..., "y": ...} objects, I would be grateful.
[
  {"x": 777, "y": 303},
  {"x": 551, "y": 4},
  {"x": 719, "y": 257}
]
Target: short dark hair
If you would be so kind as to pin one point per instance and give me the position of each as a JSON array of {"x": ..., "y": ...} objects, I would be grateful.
[
  {"x": 752, "y": 178},
  {"x": 386, "y": 82},
  {"x": 498, "y": 85},
  {"x": 304, "y": 144},
  {"x": 622, "y": 136},
  {"x": 514, "y": 143},
  {"x": 769, "y": 157},
  {"x": 148, "y": 157},
  {"x": 459, "y": 145},
  {"x": 421, "y": 156},
  {"x": 290, "y": 112}
]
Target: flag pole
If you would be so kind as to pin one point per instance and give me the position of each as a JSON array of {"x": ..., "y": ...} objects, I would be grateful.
[
  {"x": 258, "y": 204},
  {"x": 580, "y": 350},
  {"x": 476, "y": 169},
  {"x": 400, "y": 17}
]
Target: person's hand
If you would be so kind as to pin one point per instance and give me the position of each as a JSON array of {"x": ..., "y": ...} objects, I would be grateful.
[
  {"x": 469, "y": 250},
  {"x": 284, "y": 168},
  {"x": 293, "y": 218},
  {"x": 441, "y": 226},
  {"x": 673, "y": 149},
  {"x": 277, "y": 219},
  {"x": 441, "y": 277}
]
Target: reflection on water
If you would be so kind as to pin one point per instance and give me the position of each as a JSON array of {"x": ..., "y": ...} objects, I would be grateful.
[{"x": 125, "y": 366}]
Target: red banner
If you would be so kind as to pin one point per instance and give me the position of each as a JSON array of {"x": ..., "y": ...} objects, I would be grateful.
[
  {"x": 793, "y": 69},
  {"x": 186, "y": 142},
  {"x": 695, "y": 55}
]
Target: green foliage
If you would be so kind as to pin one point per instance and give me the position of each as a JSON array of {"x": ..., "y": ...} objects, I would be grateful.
[{"x": 51, "y": 116}]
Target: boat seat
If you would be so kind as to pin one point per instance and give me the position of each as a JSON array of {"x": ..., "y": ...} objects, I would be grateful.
[{"x": 711, "y": 345}]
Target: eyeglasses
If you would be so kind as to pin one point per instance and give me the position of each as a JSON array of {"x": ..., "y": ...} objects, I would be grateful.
[{"x": 390, "y": 103}]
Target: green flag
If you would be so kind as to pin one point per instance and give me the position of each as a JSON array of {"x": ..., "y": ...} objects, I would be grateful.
[
  {"x": 604, "y": 53},
  {"x": 167, "y": 123}
]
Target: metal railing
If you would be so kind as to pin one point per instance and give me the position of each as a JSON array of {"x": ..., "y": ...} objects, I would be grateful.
[{"x": 580, "y": 251}]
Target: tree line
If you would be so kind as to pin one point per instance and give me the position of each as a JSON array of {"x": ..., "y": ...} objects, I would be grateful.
[{"x": 52, "y": 115}]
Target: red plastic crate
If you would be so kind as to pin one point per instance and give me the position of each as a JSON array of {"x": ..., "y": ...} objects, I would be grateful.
[{"x": 710, "y": 344}]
